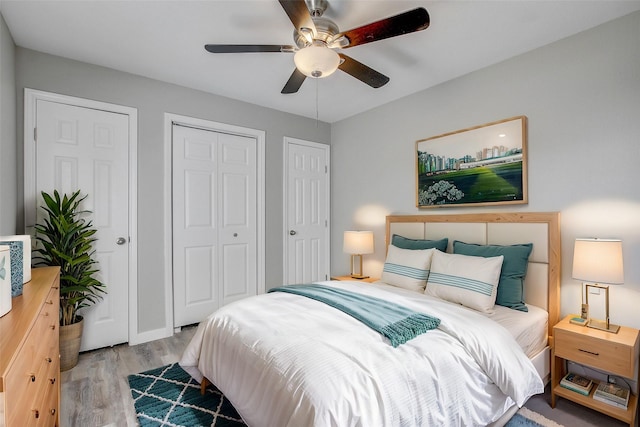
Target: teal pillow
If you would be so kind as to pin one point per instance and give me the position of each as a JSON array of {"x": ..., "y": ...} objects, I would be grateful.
[
  {"x": 514, "y": 269},
  {"x": 406, "y": 243}
]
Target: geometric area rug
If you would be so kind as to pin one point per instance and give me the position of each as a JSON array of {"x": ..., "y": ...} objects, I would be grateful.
[
  {"x": 528, "y": 418},
  {"x": 168, "y": 396}
]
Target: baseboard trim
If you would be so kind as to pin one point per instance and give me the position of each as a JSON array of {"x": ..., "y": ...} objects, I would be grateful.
[{"x": 153, "y": 335}]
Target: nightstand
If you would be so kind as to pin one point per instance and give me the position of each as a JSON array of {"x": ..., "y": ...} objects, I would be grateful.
[
  {"x": 615, "y": 354},
  {"x": 368, "y": 279}
]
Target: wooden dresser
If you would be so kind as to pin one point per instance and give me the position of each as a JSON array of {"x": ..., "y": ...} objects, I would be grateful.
[{"x": 30, "y": 354}]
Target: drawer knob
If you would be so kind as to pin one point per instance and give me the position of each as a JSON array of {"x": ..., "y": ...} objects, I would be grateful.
[
  {"x": 52, "y": 380},
  {"x": 590, "y": 352},
  {"x": 36, "y": 413},
  {"x": 33, "y": 378},
  {"x": 49, "y": 302},
  {"x": 53, "y": 327},
  {"x": 48, "y": 359},
  {"x": 52, "y": 411}
]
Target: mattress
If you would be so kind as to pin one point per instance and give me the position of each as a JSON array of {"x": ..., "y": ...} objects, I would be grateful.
[
  {"x": 528, "y": 328},
  {"x": 285, "y": 360}
]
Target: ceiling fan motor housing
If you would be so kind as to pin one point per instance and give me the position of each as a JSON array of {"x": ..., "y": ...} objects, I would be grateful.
[{"x": 325, "y": 30}]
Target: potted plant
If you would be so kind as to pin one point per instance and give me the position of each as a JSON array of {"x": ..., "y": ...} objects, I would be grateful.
[{"x": 66, "y": 239}]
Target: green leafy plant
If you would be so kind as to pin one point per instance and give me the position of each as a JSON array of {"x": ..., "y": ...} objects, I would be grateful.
[{"x": 66, "y": 240}]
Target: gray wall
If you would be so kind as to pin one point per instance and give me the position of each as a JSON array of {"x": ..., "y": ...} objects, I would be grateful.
[
  {"x": 582, "y": 99},
  {"x": 8, "y": 181},
  {"x": 581, "y": 96},
  {"x": 152, "y": 99}
]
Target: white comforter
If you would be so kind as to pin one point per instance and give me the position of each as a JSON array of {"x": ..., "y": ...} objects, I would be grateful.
[{"x": 286, "y": 360}]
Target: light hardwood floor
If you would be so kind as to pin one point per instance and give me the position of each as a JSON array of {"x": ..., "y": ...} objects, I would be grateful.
[{"x": 95, "y": 393}]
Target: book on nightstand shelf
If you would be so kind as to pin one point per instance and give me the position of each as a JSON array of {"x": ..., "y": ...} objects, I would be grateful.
[
  {"x": 612, "y": 394},
  {"x": 577, "y": 383}
]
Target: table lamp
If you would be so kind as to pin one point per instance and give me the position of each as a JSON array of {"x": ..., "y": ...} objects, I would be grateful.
[
  {"x": 358, "y": 243},
  {"x": 598, "y": 261}
]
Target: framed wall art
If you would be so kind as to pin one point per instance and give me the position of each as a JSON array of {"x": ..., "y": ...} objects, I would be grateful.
[{"x": 479, "y": 166}]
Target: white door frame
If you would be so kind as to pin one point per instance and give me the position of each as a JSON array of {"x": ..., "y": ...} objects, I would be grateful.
[
  {"x": 260, "y": 136},
  {"x": 31, "y": 97},
  {"x": 285, "y": 198}
]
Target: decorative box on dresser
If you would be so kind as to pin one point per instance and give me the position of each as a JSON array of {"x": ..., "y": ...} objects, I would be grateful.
[
  {"x": 30, "y": 354},
  {"x": 616, "y": 354}
]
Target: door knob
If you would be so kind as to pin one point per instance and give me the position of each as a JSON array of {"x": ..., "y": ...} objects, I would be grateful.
[
  {"x": 121, "y": 241},
  {"x": 292, "y": 232}
]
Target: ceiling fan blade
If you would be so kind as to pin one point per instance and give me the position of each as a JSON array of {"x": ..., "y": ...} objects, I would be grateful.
[
  {"x": 362, "y": 72},
  {"x": 294, "y": 82},
  {"x": 404, "y": 23},
  {"x": 247, "y": 48},
  {"x": 298, "y": 13}
]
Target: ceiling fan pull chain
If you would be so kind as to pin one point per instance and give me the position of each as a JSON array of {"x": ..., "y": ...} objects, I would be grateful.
[{"x": 317, "y": 102}]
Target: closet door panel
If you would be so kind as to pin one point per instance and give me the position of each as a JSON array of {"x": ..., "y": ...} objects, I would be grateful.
[{"x": 214, "y": 221}]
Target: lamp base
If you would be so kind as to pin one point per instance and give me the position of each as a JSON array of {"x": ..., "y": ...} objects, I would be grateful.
[
  {"x": 359, "y": 277},
  {"x": 603, "y": 326}
]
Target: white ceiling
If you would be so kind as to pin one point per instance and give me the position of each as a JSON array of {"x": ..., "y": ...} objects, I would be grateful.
[{"x": 164, "y": 40}]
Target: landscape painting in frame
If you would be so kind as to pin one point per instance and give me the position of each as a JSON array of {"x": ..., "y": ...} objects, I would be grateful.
[{"x": 479, "y": 166}]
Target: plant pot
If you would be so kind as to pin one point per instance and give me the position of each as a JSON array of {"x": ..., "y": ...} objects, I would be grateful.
[{"x": 70, "y": 336}]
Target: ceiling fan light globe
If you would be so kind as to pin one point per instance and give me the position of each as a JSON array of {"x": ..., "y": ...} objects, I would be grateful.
[{"x": 316, "y": 61}]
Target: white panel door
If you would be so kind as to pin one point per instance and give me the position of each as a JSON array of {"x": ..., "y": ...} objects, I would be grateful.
[
  {"x": 307, "y": 212},
  {"x": 214, "y": 221},
  {"x": 237, "y": 233},
  {"x": 87, "y": 149}
]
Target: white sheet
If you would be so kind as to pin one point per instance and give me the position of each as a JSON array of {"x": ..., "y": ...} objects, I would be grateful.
[
  {"x": 530, "y": 329},
  {"x": 286, "y": 360}
]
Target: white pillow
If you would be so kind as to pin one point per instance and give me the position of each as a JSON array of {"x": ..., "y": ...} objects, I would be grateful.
[
  {"x": 407, "y": 268},
  {"x": 468, "y": 280}
]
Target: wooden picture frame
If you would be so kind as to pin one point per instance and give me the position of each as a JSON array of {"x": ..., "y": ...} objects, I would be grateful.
[{"x": 479, "y": 166}]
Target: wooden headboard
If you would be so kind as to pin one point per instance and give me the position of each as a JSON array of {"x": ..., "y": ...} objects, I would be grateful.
[{"x": 542, "y": 284}]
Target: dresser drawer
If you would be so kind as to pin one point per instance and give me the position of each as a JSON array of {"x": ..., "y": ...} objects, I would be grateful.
[
  {"x": 47, "y": 406},
  {"x": 22, "y": 384},
  {"x": 51, "y": 307},
  {"x": 615, "y": 358},
  {"x": 29, "y": 383},
  {"x": 35, "y": 368},
  {"x": 48, "y": 319},
  {"x": 30, "y": 354},
  {"x": 46, "y": 333}
]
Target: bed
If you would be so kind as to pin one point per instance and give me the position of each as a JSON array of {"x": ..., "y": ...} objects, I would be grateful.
[{"x": 287, "y": 360}]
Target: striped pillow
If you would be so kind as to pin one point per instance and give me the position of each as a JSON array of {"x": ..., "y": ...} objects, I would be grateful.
[
  {"x": 468, "y": 280},
  {"x": 407, "y": 268}
]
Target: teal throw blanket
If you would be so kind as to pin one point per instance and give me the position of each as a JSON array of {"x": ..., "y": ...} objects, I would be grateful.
[{"x": 394, "y": 321}]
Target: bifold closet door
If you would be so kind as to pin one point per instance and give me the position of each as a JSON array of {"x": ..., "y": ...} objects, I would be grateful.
[{"x": 214, "y": 221}]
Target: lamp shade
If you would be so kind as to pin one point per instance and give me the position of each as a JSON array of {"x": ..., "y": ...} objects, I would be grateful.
[
  {"x": 358, "y": 242},
  {"x": 316, "y": 61},
  {"x": 598, "y": 261}
]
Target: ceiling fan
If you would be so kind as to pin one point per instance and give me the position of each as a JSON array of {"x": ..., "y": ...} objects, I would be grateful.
[{"x": 317, "y": 40}]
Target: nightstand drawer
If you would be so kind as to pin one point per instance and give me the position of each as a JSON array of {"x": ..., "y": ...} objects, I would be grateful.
[{"x": 611, "y": 356}]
